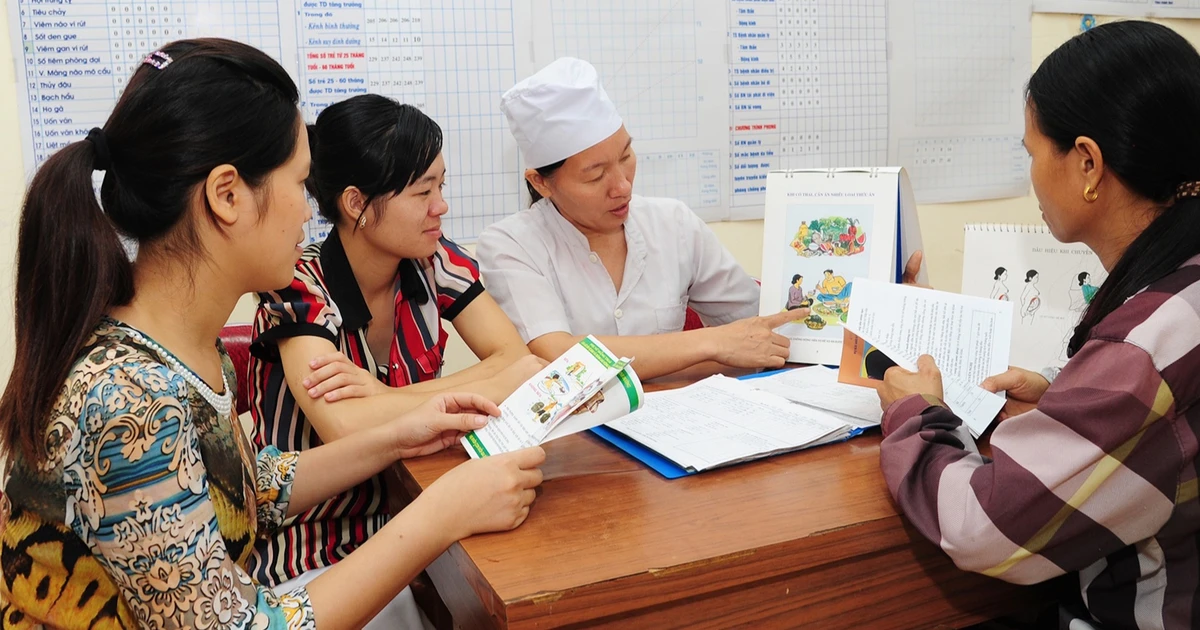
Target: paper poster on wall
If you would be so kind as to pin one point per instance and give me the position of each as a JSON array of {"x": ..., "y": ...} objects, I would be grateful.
[
  {"x": 717, "y": 93},
  {"x": 808, "y": 88},
  {"x": 957, "y": 75},
  {"x": 668, "y": 85},
  {"x": 1125, "y": 8}
]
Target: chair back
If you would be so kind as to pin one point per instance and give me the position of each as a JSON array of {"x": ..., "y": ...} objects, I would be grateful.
[{"x": 237, "y": 338}]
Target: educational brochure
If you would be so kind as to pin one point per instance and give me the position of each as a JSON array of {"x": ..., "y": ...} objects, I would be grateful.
[
  {"x": 968, "y": 337},
  {"x": 722, "y": 421},
  {"x": 1048, "y": 283},
  {"x": 585, "y": 387},
  {"x": 822, "y": 229}
]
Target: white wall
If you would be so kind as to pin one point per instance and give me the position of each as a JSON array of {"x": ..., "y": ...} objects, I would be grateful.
[{"x": 941, "y": 225}]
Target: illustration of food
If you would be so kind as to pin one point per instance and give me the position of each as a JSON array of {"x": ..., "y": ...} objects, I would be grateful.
[{"x": 830, "y": 236}]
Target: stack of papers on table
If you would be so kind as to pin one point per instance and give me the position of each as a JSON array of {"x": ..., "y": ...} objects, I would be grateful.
[{"x": 722, "y": 421}]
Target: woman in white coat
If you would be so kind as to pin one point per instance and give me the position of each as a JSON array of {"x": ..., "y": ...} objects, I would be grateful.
[{"x": 591, "y": 257}]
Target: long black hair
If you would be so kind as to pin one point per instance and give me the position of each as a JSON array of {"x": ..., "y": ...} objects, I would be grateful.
[
  {"x": 1134, "y": 88},
  {"x": 370, "y": 142},
  {"x": 201, "y": 103}
]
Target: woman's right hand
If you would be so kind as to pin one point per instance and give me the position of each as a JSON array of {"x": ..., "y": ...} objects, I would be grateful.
[
  {"x": 491, "y": 494},
  {"x": 1023, "y": 388},
  {"x": 335, "y": 377},
  {"x": 753, "y": 342}
]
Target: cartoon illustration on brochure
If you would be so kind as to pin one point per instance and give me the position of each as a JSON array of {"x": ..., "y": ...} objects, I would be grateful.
[
  {"x": 591, "y": 405},
  {"x": 577, "y": 371},
  {"x": 542, "y": 410},
  {"x": 554, "y": 385}
]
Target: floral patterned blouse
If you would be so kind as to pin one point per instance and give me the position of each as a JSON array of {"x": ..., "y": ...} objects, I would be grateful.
[{"x": 145, "y": 507}]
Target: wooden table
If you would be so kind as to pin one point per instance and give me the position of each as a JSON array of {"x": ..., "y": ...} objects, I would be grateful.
[{"x": 809, "y": 539}]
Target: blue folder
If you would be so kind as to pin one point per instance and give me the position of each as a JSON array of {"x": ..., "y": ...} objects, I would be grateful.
[{"x": 651, "y": 458}]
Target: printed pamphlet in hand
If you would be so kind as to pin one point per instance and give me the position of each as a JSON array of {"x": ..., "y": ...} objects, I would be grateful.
[{"x": 585, "y": 387}]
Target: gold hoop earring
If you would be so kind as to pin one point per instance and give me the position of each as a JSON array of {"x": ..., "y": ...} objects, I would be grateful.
[{"x": 1090, "y": 194}]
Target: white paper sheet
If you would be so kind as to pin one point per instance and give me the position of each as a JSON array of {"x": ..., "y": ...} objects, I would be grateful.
[
  {"x": 818, "y": 387},
  {"x": 958, "y": 76},
  {"x": 720, "y": 421},
  {"x": 968, "y": 337}
]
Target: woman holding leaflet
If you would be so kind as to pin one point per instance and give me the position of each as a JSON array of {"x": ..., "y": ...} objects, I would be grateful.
[
  {"x": 358, "y": 335},
  {"x": 1094, "y": 473},
  {"x": 133, "y": 496}
]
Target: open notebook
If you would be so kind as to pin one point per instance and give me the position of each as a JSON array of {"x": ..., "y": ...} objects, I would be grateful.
[{"x": 1048, "y": 283}]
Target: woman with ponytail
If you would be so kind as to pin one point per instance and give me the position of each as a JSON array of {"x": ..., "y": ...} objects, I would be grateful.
[
  {"x": 1095, "y": 473},
  {"x": 133, "y": 498}
]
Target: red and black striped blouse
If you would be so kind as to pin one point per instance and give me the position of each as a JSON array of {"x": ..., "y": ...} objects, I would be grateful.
[{"x": 324, "y": 300}]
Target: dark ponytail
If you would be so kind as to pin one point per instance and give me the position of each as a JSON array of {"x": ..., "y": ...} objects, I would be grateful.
[
  {"x": 214, "y": 102},
  {"x": 1134, "y": 88},
  {"x": 71, "y": 267}
]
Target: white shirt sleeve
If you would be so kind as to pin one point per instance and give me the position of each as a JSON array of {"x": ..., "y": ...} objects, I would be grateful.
[
  {"x": 519, "y": 280},
  {"x": 721, "y": 291}
]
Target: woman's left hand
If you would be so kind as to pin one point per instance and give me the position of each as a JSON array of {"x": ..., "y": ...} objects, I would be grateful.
[
  {"x": 900, "y": 383},
  {"x": 913, "y": 268},
  {"x": 440, "y": 422}
]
